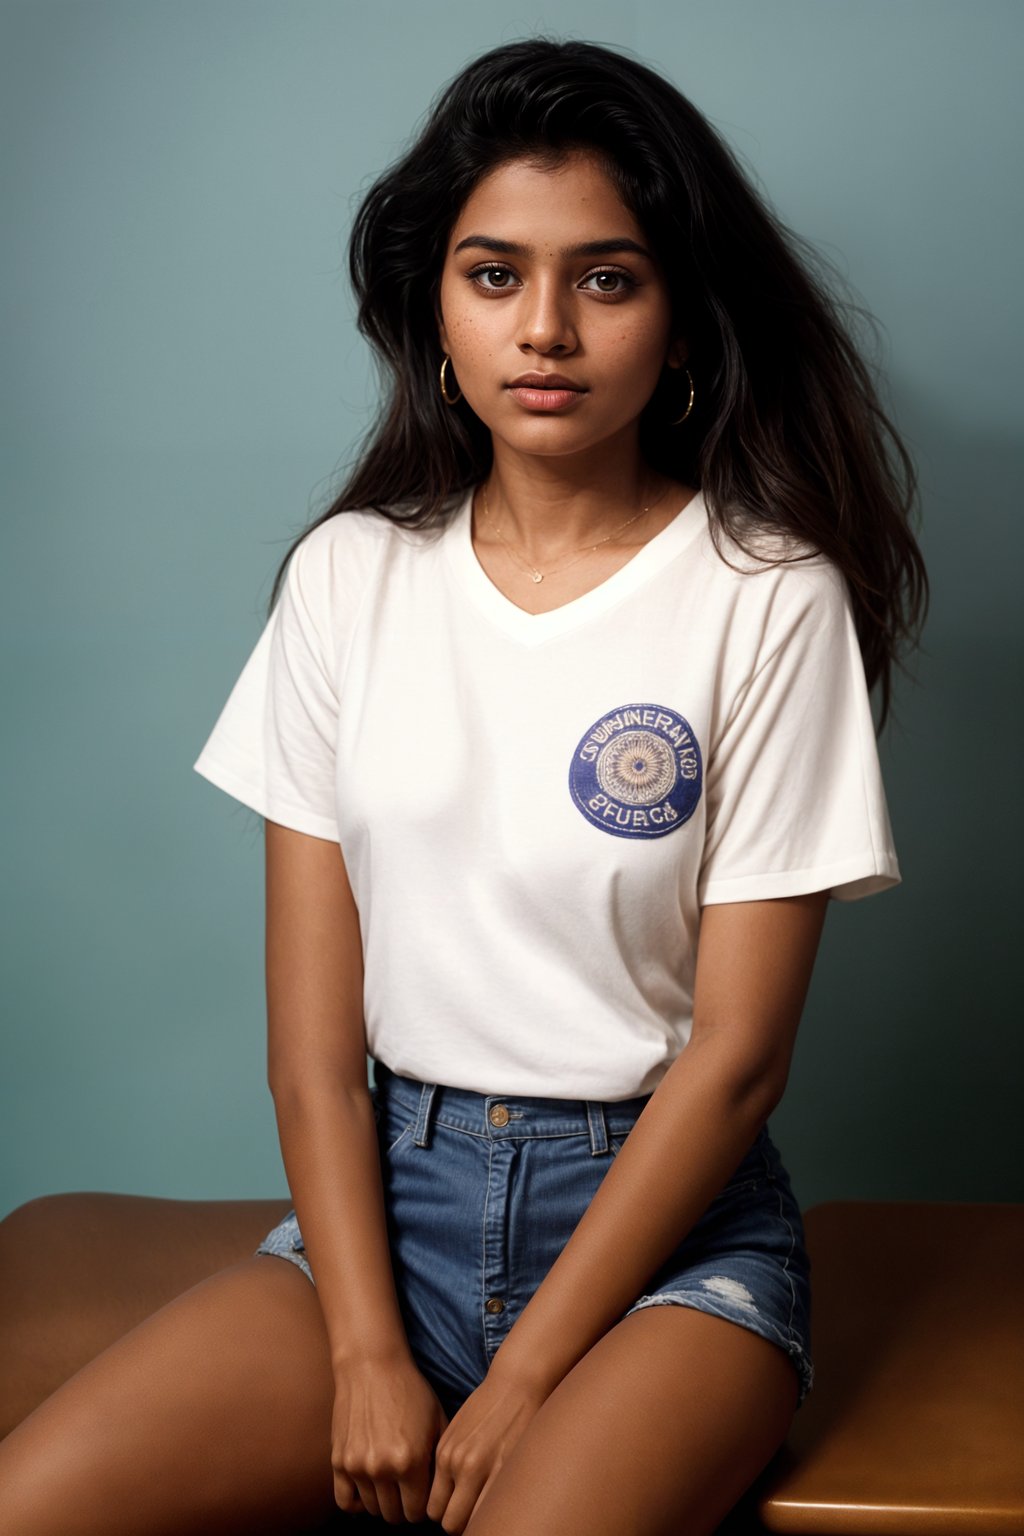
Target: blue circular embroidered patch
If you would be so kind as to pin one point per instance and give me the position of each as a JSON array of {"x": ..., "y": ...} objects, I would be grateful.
[{"x": 637, "y": 772}]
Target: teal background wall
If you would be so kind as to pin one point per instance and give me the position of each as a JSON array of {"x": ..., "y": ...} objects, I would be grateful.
[{"x": 182, "y": 377}]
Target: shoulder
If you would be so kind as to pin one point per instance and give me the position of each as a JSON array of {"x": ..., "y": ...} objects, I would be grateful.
[
  {"x": 340, "y": 562},
  {"x": 771, "y": 575},
  {"x": 360, "y": 537},
  {"x": 344, "y": 537},
  {"x": 328, "y": 575},
  {"x": 335, "y": 560}
]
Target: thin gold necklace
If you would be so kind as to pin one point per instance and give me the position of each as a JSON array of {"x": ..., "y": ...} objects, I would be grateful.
[{"x": 532, "y": 571}]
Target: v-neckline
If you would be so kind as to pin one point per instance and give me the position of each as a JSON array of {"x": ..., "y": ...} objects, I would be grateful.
[{"x": 530, "y": 628}]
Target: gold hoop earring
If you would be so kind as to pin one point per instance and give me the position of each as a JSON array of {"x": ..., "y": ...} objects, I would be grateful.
[
  {"x": 446, "y": 397},
  {"x": 689, "y": 404}
]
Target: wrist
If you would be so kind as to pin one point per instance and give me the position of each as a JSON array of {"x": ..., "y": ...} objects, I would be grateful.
[
  {"x": 368, "y": 1355},
  {"x": 514, "y": 1371}
]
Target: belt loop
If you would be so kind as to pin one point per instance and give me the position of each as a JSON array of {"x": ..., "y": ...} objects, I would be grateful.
[
  {"x": 424, "y": 1117},
  {"x": 598, "y": 1126}
]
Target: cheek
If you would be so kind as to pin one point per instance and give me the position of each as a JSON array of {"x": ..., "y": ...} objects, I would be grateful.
[
  {"x": 456, "y": 311},
  {"x": 471, "y": 341},
  {"x": 460, "y": 323},
  {"x": 639, "y": 349}
]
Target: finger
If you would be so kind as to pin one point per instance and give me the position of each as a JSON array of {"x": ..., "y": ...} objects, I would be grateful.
[
  {"x": 460, "y": 1507},
  {"x": 415, "y": 1489},
  {"x": 368, "y": 1493},
  {"x": 440, "y": 1492},
  {"x": 390, "y": 1500},
  {"x": 483, "y": 1490},
  {"x": 463, "y": 1500},
  {"x": 346, "y": 1495}
]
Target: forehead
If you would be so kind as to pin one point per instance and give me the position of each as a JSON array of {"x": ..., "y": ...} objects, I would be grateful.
[{"x": 548, "y": 206}]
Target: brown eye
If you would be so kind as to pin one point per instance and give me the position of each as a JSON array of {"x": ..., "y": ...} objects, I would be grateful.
[
  {"x": 501, "y": 273},
  {"x": 610, "y": 281}
]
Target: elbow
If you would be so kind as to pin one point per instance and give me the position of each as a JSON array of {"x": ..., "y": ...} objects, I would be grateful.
[
  {"x": 748, "y": 1069},
  {"x": 773, "y": 1088},
  {"x": 293, "y": 1081},
  {"x": 759, "y": 1088},
  {"x": 751, "y": 1083},
  {"x": 282, "y": 1075},
  {"x": 298, "y": 1084}
]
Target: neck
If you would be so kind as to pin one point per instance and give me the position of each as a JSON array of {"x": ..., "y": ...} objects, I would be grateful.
[{"x": 548, "y": 507}]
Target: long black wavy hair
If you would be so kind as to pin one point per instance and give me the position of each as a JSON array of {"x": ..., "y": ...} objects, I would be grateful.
[{"x": 787, "y": 427}]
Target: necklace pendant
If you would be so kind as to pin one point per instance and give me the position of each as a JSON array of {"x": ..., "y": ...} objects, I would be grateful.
[{"x": 537, "y": 575}]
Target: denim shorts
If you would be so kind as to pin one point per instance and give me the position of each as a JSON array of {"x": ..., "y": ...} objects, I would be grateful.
[{"x": 482, "y": 1192}]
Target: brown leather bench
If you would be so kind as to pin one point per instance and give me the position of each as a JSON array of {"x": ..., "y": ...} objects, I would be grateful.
[{"x": 915, "y": 1425}]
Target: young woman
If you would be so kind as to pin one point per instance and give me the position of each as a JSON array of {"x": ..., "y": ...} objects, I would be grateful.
[{"x": 560, "y": 725}]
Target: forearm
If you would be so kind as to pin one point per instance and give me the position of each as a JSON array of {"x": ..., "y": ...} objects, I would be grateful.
[
  {"x": 330, "y": 1151},
  {"x": 691, "y": 1136}
]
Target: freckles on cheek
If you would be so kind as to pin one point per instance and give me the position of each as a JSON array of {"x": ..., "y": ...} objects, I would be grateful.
[
  {"x": 462, "y": 327},
  {"x": 635, "y": 336}
]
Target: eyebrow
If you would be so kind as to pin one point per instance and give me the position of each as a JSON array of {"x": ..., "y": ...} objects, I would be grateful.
[{"x": 589, "y": 248}]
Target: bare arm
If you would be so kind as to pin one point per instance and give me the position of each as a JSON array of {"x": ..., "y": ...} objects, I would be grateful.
[
  {"x": 386, "y": 1416},
  {"x": 317, "y": 1075},
  {"x": 753, "y": 969}
]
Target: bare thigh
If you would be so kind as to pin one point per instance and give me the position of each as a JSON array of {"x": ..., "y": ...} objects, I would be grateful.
[
  {"x": 659, "y": 1431},
  {"x": 79, "y": 1270},
  {"x": 211, "y": 1415}
]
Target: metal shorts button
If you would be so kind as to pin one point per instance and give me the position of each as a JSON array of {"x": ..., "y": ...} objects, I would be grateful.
[
  {"x": 498, "y": 1115},
  {"x": 494, "y": 1304}
]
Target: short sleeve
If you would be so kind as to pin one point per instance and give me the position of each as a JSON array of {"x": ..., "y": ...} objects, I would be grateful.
[
  {"x": 795, "y": 795},
  {"x": 273, "y": 745}
]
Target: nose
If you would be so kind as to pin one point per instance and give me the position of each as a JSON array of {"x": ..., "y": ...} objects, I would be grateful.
[{"x": 545, "y": 319}]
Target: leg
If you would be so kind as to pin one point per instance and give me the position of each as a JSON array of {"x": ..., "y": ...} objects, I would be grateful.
[
  {"x": 659, "y": 1430},
  {"x": 79, "y": 1270},
  {"x": 212, "y": 1415}
]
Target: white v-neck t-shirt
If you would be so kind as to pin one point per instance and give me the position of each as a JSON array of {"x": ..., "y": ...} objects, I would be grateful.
[{"x": 533, "y": 809}]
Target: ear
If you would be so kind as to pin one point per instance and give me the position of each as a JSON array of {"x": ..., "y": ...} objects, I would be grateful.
[
  {"x": 678, "y": 352},
  {"x": 442, "y": 332}
]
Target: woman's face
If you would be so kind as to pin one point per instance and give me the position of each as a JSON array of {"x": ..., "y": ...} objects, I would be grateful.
[{"x": 547, "y": 272}]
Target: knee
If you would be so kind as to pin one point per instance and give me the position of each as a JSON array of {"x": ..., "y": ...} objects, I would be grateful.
[
  {"x": 33, "y": 1244},
  {"x": 22, "y": 1225},
  {"x": 37, "y": 1267},
  {"x": 42, "y": 1210},
  {"x": 36, "y": 1224}
]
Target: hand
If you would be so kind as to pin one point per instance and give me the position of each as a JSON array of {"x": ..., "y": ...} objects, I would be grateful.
[
  {"x": 474, "y": 1446},
  {"x": 386, "y": 1421}
]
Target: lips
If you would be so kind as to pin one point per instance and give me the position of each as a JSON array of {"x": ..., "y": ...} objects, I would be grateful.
[
  {"x": 546, "y": 393},
  {"x": 546, "y": 381}
]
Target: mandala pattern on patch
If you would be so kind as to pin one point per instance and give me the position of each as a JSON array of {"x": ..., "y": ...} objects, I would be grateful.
[
  {"x": 637, "y": 772},
  {"x": 638, "y": 768}
]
